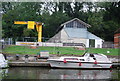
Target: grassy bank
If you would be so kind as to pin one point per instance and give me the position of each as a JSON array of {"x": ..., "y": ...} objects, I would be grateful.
[{"x": 54, "y": 50}]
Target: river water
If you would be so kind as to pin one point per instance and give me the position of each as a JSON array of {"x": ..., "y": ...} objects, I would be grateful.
[{"x": 47, "y": 73}]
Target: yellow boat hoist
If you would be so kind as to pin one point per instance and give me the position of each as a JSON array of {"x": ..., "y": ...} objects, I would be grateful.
[{"x": 30, "y": 25}]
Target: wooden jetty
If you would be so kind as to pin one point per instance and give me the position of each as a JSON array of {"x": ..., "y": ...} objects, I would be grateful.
[{"x": 29, "y": 64}]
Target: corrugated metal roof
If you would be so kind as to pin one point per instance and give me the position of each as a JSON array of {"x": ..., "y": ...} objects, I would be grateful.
[
  {"x": 76, "y": 32},
  {"x": 80, "y": 33},
  {"x": 92, "y": 36}
]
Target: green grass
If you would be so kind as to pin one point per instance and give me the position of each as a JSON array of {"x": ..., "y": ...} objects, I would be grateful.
[
  {"x": 54, "y": 50},
  {"x": 113, "y": 51}
]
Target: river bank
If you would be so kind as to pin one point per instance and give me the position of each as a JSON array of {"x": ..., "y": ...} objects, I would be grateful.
[
  {"x": 13, "y": 49},
  {"x": 42, "y": 64},
  {"x": 34, "y": 58},
  {"x": 17, "y": 60}
]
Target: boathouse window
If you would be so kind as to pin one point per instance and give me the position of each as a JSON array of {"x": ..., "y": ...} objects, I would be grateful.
[
  {"x": 75, "y": 24},
  {"x": 69, "y": 25},
  {"x": 70, "y": 58}
]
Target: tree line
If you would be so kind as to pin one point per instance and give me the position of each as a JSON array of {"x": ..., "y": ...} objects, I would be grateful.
[{"x": 103, "y": 17}]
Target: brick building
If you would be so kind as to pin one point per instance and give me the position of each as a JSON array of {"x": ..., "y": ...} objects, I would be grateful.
[{"x": 117, "y": 39}]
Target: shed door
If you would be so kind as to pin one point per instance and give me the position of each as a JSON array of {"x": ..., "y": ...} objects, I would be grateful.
[{"x": 91, "y": 42}]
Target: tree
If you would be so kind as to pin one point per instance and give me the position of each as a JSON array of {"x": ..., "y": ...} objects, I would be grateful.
[
  {"x": 102, "y": 23},
  {"x": 103, "y": 17},
  {"x": 112, "y": 12},
  {"x": 19, "y": 12},
  {"x": 52, "y": 22}
]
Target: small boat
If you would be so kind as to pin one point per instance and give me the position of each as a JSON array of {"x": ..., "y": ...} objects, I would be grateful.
[
  {"x": 88, "y": 60},
  {"x": 3, "y": 62}
]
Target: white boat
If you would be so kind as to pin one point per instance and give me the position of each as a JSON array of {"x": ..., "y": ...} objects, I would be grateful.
[
  {"x": 86, "y": 61},
  {"x": 3, "y": 62}
]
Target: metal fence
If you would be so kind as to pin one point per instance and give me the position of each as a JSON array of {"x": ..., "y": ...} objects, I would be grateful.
[{"x": 108, "y": 45}]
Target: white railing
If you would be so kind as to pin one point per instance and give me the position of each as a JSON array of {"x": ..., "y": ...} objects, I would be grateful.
[{"x": 39, "y": 44}]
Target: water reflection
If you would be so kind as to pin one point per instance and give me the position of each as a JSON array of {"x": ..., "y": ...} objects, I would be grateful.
[
  {"x": 3, "y": 73},
  {"x": 46, "y": 73},
  {"x": 77, "y": 74}
]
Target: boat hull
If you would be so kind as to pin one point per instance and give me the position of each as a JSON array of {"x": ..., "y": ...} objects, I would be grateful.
[
  {"x": 82, "y": 65},
  {"x": 4, "y": 65}
]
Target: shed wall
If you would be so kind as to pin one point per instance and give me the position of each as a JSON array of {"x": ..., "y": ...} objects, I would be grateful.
[
  {"x": 76, "y": 32},
  {"x": 117, "y": 40},
  {"x": 98, "y": 43}
]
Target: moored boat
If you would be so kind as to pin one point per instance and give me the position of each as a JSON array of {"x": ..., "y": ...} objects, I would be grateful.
[
  {"x": 3, "y": 61},
  {"x": 88, "y": 60}
]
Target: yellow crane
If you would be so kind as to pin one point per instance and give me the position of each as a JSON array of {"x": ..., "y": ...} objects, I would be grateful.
[{"x": 30, "y": 25}]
